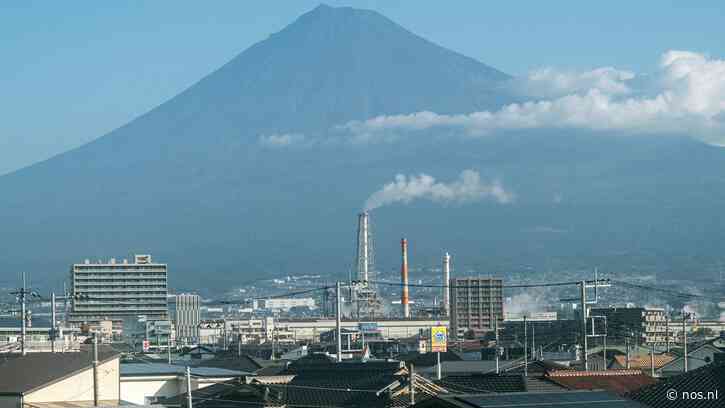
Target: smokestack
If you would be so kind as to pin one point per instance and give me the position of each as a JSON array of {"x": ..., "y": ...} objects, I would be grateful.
[
  {"x": 364, "y": 247},
  {"x": 404, "y": 278},
  {"x": 446, "y": 280}
]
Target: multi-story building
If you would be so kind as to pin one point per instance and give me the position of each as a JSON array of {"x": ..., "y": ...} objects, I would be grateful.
[
  {"x": 639, "y": 324},
  {"x": 284, "y": 304},
  {"x": 476, "y": 303},
  {"x": 118, "y": 290},
  {"x": 186, "y": 313}
]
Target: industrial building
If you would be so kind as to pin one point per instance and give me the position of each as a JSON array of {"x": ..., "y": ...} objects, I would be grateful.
[
  {"x": 475, "y": 303},
  {"x": 185, "y": 311},
  {"x": 639, "y": 324},
  {"x": 118, "y": 290}
]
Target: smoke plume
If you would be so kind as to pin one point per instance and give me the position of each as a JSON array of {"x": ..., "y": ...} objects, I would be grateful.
[{"x": 468, "y": 188}]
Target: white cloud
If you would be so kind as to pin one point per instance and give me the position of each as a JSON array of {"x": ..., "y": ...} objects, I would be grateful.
[
  {"x": 281, "y": 139},
  {"x": 690, "y": 99},
  {"x": 552, "y": 83},
  {"x": 468, "y": 188}
]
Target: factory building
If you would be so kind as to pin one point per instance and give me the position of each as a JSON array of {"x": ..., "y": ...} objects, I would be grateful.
[
  {"x": 186, "y": 313},
  {"x": 475, "y": 304},
  {"x": 118, "y": 290}
]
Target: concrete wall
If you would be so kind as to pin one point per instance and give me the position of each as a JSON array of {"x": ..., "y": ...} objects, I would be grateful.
[
  {"x": 137, "y": 389},
  {"x": 10, "y": 402},
  {"x": 79, "y": 387}
]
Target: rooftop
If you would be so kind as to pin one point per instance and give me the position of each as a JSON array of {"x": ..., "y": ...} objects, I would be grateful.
[
  {"x": 22, "y": 374},
  {"x": 144, "y": 369},
  {"x": 601, "y": 399}
]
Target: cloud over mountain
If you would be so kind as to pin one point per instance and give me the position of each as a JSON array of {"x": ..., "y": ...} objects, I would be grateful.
[{"x": 689, "y": 98}]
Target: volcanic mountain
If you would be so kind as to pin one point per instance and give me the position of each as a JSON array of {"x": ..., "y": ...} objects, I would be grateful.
[{"x": 212, "y": 183}]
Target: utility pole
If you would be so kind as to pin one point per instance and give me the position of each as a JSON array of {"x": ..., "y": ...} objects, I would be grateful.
[
  {"x": 439, "y": 373},
  {"x": 95, "y": 369},
  {"x": 412, "y": 384},
  {"x": 52, "y": 322},
  {"x": 533, "y": 341},
  {"x": 627, "y": 357},
  {"x": 667, "y": 332},
  {"x": 338, "y": 322},
  {"x": 168, "y": 348},
  {"x": 652, "y": 359},
  {"x": 526, "y": 346},
  {"x": 684, "y": 337},
  {"x": 495, "y": 328},
  {"x": 188, "y": 387},
  {"x": 583, "y": 289},
  {"x": 605, "y": 343}
]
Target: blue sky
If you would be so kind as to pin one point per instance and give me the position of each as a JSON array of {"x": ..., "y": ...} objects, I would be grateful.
[{"x": 72, "y": 71}]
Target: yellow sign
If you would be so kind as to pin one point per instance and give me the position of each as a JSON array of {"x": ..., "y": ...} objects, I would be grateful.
[{"x": 438, "y": 339}]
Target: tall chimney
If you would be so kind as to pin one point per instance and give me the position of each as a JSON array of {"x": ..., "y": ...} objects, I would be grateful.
[
  {"x": 404, "y": 278},
  {"x": 446, "y": 280},
  {"x": 363, "y": 246}
]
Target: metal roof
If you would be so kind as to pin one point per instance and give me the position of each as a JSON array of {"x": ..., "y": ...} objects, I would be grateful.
[{"x": 144, "y": 369}]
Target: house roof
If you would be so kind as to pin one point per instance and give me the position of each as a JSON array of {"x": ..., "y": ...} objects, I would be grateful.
[
  {"x": 148, "y": 369},
  {"x": 23, "y": 374},
  {"x": 317, "y": 384},
  {"x": 619, "y": 382},
  {"x": 601, "y": 399},
  {"x": 643, "y": 362},
  {"x": 430, "y": 359},
  {"x": 483, "y": 383},
  {"x": 710, "y": 378},
  {"x": 230, "y": 362}
]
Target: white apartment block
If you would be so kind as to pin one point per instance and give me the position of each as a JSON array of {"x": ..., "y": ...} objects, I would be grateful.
[{"x": 118, "y": 290}]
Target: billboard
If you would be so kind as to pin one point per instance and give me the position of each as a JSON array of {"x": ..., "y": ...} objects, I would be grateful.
[{"x": 438, "y": 339}]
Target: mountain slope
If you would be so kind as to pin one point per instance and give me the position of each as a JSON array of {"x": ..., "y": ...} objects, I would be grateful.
[{"x": 191, "y": 183}]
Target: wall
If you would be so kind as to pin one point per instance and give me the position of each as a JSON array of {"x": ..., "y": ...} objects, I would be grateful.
[
  {"x": 10, "y": 402},
  {"x": 79, "y": 387},
  {"x": 137, "y": 388}
]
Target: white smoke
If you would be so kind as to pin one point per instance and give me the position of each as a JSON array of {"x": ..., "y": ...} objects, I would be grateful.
[
  {"x": 467, "y": 188},
  {"x": 281, "y": 139},
  {"x": 689, "y": 98}
]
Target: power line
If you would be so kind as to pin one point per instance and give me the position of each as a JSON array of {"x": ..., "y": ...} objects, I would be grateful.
[
  {"x": 523, "y": 285},
  {"x": 281, "y": 295}
]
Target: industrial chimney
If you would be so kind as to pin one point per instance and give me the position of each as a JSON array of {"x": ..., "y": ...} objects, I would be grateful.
[
  {"x": 363, "y": 246},
  {"x": 404, "y": 278},
  {"x": 446, "y": 288}
]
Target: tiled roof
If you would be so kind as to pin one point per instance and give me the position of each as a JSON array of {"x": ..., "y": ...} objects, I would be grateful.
[
  {"x": 22, "y": 374},
  {"x": 643, "y": 362},
  {"x": 619, "y": 382},
  {"x": 477, "y": 383},
  {"x": 707, "y": 379},
  {"x": 313, "y": 385},
  {"x": 598, "y": 399},
  {"x": 429, "y": 359},
  {"x": 230, "y": 362}
]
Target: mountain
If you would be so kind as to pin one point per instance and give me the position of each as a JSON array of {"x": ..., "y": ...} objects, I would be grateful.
[{"x": 194, "y": 183}]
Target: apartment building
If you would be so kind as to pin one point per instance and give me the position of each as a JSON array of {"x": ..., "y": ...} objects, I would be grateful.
[
  {"x": 118, "y": 290},
  {"x": 185, "y": 311},
  {"x": 476, "y": 303}
]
